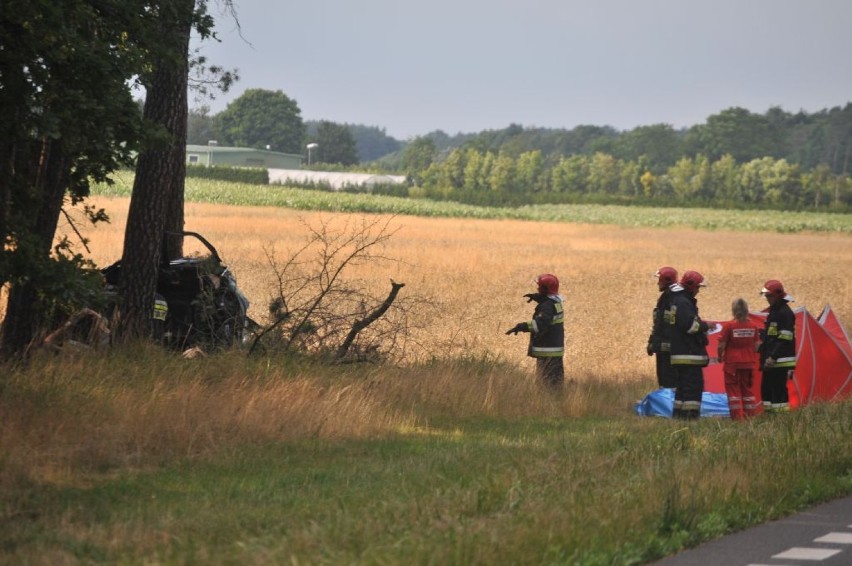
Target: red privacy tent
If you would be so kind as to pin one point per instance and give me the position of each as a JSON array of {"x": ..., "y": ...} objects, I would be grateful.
[
  {"x": 824, "y": 364},
  {"x": 828, "y": 320}
]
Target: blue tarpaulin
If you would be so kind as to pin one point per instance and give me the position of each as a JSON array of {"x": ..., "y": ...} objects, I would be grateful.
[{"x": 660, "y": 403}]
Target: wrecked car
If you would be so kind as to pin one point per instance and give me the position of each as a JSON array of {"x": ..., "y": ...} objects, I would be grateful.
[{"x": 198, "y": 303}]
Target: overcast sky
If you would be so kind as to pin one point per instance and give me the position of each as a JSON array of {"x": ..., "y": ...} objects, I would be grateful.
[{"x": 412, "y": 67}]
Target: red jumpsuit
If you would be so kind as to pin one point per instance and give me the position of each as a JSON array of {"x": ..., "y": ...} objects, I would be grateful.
[{"x": 740, "y": 357}]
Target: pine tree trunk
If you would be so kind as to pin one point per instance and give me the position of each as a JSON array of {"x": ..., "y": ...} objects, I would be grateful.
[{"x": 157, "y": 200}]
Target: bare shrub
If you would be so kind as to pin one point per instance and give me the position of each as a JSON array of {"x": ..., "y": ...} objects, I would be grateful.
[
  {"x": 317, "y": 308},
  {"x": 475, "y": 272}
]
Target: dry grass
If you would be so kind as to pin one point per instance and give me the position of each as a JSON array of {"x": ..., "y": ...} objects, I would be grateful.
[
  {"x": 89, "y": 415},
  {"x": 91, "y": 421},
  {"x": 96, "y": 414},
  {"x": 475, "y": 270},
  {"x": 478, "y": 271}
]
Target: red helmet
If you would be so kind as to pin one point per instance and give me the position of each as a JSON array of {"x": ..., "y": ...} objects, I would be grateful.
[
  {"x": 547, "y": 284},
  {"x": 775, "y": 288},
  {"x": 666, "y": 276},
  {"x": 692, "y": 281}
]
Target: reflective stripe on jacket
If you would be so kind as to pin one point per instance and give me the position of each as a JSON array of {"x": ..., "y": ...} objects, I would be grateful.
[
  {"x": 659, "y": 339},
  {"x": 779, "y": 336},
  {"x": 547, "y": 332},
  {"x": 688, "y": 331}
]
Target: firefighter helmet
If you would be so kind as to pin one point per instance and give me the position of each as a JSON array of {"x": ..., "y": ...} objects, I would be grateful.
[
  {"x": 666, "y": 276},
  {"x": 547, "y": 284},
  {"x": 692, "y": 281},
  {"x": 775, "y": 288}
]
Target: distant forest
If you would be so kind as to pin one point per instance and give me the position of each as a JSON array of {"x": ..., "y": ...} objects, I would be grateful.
[{"x": 736, "y": 158}]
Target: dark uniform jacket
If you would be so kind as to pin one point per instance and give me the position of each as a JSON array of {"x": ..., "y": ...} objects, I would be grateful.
[
  {"x": 547, "y": 331},
  {"x": 779, "y": 336},
  {"x": 688, "y": 331},
  {"x": 659, "y": 340}
]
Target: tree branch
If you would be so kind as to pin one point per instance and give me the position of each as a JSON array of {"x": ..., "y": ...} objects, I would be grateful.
[
  {"x": 360, "y": 325},
  {"x": 266, "y": 331},
  {"x": 74, "y": 227}
]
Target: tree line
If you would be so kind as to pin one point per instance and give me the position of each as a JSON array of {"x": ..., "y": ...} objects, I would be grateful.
[
  {"x": 265, "y": 119},
  {"x": 735, "y": 158},
  {"x": 259, "y": 118},
  {"x": 489, "y": 178},
  {"x": 808, "y": 140}
]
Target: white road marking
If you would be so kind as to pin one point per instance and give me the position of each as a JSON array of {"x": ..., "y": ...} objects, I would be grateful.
[
  {"x": 801, "y": 553},
  {"x": 836, "y": 538}
]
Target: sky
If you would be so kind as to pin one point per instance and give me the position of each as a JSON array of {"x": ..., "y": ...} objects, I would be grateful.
[{"x": 464, "y": 66}]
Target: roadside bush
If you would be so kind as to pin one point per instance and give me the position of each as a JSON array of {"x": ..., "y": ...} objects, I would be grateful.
[{"x": 249, "y": 175}]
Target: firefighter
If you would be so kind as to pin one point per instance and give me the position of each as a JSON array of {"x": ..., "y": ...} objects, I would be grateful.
[
  {"x": 659, "y": 342},
  {"x": 547, "y": 333},
  {"x": 778, "y": 351},
  {"x": 688, "y": 345},
  {"x": 739, "y": 340}
]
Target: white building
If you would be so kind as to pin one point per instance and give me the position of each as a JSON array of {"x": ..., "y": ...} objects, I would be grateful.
[{"x": 334, "y": 180}]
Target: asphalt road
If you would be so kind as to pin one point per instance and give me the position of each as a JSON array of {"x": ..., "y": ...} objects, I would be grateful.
[{"x": 821, "y": 536}]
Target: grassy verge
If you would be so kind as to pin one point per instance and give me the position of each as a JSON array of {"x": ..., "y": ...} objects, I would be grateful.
[
  {"x": 222, "y": 192},
  {"x": 141, "y": 457}
]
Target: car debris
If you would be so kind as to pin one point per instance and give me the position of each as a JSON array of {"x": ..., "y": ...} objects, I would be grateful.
[{"x": 198, "y": 302}]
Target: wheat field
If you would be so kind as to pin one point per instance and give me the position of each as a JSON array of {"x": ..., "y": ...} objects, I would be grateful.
[
  {"x": 141, "y": 456},
  {"x": 476, "y": 271}
]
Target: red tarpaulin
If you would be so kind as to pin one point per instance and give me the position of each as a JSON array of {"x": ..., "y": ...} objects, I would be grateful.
[
  {"x": 824, "y": 365},
  {"x": 828, "y": 320}
]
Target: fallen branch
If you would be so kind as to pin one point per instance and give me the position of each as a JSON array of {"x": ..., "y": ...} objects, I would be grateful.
[
  {"x": 360, "y": 325},
  {"x": 281, "y": 319},
  {"x": 76, "y": 231}
]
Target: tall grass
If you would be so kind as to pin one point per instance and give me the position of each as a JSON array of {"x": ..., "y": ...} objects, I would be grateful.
[
  {"x": 222, "y": 460},
  {"x": 454, "y": 456},
  {"x": 140, "y": 407}
]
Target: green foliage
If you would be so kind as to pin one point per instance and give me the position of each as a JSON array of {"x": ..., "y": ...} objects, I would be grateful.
[
  {"x": 808, "y": 140},
  {"x": 71, "y": 64},
  {"x": 64, "y": 281},
  {"x": 737, "y": 132},
  {"x": 68, "y": 119},
  {"x": 419, "y": 155},
  {"x": 371, "y": 142},
  {"x": 467, "y": 175},
  {"x": 200, "y": 128},
  {"x": 260, "y": 118},
  {"x": 659, "y": 144},
  {"x": 68, "y": 283},
  {"x": 804, "y": 139},
  {"x": 502, "y": 178},
  {"x": 336, "y": 144},
  {"x": 248, "y": 175}
]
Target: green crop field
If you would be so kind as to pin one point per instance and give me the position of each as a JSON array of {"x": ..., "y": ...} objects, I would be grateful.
[{"x": 221, "y": 192}]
